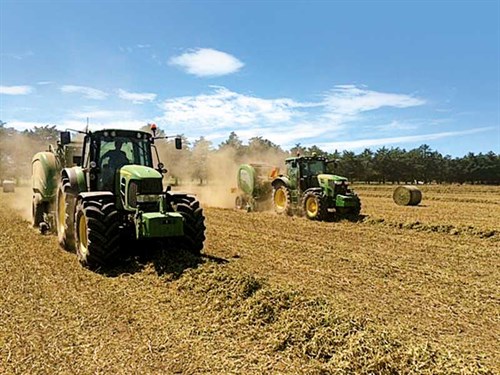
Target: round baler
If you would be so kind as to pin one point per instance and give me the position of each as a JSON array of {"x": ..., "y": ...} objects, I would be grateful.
[{"x": 254, "y": 184}]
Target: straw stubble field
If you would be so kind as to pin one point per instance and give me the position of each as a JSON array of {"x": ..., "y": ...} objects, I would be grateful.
[{"x": 404, "y": 290}]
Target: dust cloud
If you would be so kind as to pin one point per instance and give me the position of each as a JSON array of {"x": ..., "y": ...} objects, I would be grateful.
[
  {"x": 16, "y": 153},
  {"x": 20, "y": 201},
  {"x": 219, "y": 187},
  {"x": 209, "y": 174}
]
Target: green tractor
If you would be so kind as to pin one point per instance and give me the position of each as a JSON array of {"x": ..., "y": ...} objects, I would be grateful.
[
  {"x": 112, "y": 196},
  {"x": 307, "y": 188}
]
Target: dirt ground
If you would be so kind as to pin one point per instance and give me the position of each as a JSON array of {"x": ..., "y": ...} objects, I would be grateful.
[{"x": 402, "y": 290}]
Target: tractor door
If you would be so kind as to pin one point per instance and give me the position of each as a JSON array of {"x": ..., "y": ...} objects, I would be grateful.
[
  {"x": 88, "y": 155},
  {"x": 292, "y": 171},
  {"x": 309, "y": 170}
]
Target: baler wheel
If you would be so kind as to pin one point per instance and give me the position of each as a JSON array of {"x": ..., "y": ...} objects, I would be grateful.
[
  {"x": 65, "y": 216},
  {"x": 37, "y": 210},
  {"x": 240, "y": 202}
]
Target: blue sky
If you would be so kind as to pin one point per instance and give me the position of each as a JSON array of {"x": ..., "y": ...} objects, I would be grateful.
[{"x": 341, "y": 75}]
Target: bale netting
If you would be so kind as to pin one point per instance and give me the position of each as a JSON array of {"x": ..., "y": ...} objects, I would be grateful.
[
  {"x": 8, "y": 186},
  {"x": 407, "y": 195}
]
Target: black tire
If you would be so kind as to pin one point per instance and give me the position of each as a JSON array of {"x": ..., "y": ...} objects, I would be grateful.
[
  {"x": 356, "y": 210},
  {"x": 194, "y": 224},
  {"x": 65, "y": 216},
  {"x": 37, "y": 210},
  {"x": 97, "y": 233},
  {"x": 314, "y": 206},
  {"x": 282, "y": 200}
]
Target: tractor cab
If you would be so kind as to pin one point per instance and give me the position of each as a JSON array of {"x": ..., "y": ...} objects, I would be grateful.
[
  {"x": 303, "y": 171},
  {"x": 106, "y": 152}
]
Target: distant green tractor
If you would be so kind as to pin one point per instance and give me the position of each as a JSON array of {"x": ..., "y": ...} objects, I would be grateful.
[
  {"x": 113, "y": 195},
  {"x": 307, "y": 188}
]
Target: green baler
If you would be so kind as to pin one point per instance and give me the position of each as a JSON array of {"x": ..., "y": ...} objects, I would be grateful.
[{"x": 254, "y": 186}]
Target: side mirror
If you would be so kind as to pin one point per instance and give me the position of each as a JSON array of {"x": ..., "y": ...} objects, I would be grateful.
[
  {"x": 178, "y": 143},
  {"x": 161, "y": 168},
  {"x": 65, "y": 138}
]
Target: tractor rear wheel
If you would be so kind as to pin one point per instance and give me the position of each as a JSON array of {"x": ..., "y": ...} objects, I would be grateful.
[
  {"x": 314, "y": 206},
  {"x": 97, "y": 233},
  {"x": 37, "y": 210},
  {"x": 282, "y": 200},
  {"x": 194, "y": 224},
  {"x": 65, "y": 216}
]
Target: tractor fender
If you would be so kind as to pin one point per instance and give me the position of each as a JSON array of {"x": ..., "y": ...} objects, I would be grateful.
[
  {"x": 282, "y": 180},
  {"x": 94, "y": 195},
  {"x": 314, "y": 189},
  {"x": 76, "y": 179}
]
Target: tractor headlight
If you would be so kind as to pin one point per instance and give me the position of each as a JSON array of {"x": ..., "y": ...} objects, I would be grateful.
[{"x": 133, "y": 189}]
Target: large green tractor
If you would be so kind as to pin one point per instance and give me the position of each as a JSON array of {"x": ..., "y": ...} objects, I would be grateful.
[
  {"x": 112, "y": 196},
  {"x": 307, "y": 188}
]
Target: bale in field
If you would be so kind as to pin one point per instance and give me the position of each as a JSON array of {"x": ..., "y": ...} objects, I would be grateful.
[
  {"x": 407, "y": 195},
  {"x": 8, "y": 186}
]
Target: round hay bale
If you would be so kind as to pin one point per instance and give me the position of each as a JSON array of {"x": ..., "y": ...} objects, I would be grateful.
[
  {"x": 407, "y": 195},
  {"x": 8, "y": 186}
]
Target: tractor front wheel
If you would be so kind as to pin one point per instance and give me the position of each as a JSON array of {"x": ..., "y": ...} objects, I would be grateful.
[
  {"x": 314, "y": 206},
  {"x": 282, "y": 200},
  {"x": 97, "y": 233},
  {"x": 194, "y": 224}
]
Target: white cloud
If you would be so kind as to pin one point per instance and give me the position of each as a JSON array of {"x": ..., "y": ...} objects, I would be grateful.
[
  {"x": 137, "y": 98},
  {"x": 97, "y": 124},
  {"x": 350, "y": 100},
  {"x": 396, "y": 125},
  {"x": 101, "y": 114},
  {"x": 281, "y": 120},
  {"x": 16, "y": 90},
  {"x": 207, "y": 62},
  {"x": 367, "y": 143},
  {"x": 87, "y": 92},
  {"x": 18, "y": 56},
  {"x": 224, "y": 108}
]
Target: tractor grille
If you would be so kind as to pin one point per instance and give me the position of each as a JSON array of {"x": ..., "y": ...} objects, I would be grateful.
[{"x": 150, "y": 186}]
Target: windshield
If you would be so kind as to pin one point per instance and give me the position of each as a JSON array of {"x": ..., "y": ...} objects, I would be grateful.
[
  {"x": 125, "y": 150},
  {"x": 313, "y": 167}
]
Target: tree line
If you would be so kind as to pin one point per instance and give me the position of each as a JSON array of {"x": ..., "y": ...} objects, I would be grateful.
[{"x": 201, "y": 159}]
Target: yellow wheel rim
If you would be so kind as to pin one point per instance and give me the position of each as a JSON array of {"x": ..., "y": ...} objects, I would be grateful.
[
  {"x": 61, "y": 212},
  {"x": 280, "y": 199},
  {"x": 82, "y": 235},
  {"x": 311, "y": 207}
]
